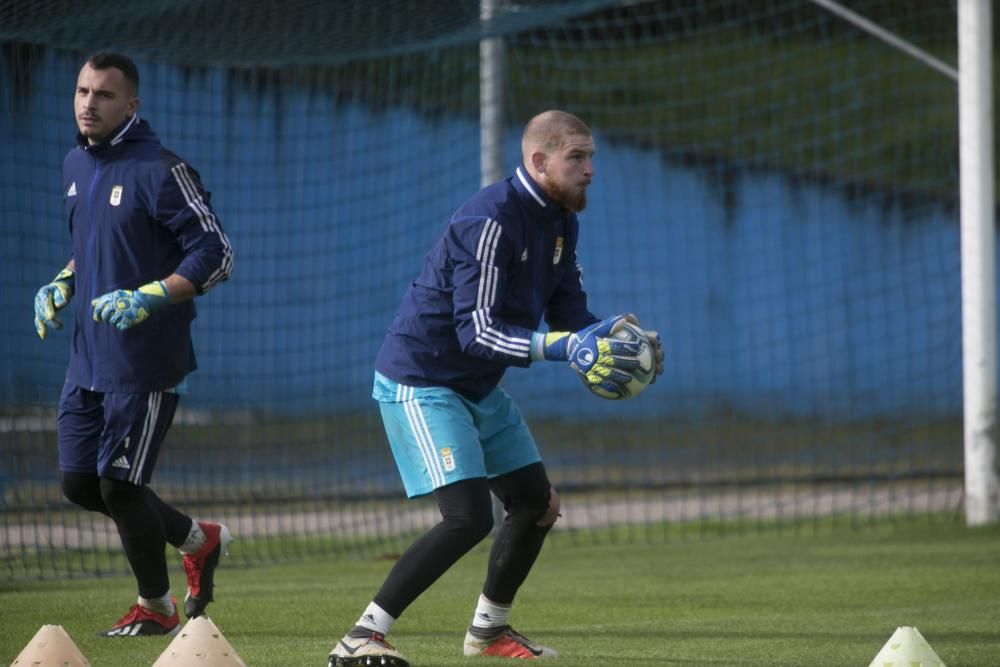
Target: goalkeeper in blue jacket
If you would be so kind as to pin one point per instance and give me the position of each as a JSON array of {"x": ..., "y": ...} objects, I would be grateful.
[
  {"x": 145, "y": 242},
  {"x": 506, "y": 259}
]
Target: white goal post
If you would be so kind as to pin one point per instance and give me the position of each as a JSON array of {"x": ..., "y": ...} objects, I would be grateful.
[{"x": 979, "y": 326}]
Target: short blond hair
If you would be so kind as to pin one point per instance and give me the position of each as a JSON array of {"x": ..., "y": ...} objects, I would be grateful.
[{"x": 550, "y": 130}]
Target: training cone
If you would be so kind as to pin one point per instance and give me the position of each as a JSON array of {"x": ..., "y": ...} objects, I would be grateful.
[
  {"x": 50, "y": 647},
  {"x": 907, "y": 648},
  {"x": 199, "y": 644}
]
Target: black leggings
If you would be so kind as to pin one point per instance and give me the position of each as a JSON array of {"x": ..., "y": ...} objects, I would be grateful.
[
  {"x": 466, "y": 519},
  {"x": 145, "y": 524}
]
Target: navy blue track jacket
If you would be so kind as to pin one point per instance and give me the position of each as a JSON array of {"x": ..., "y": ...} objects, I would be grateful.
[
  {"x": 506, "y": 258},
  {"x": 137, "y": 213}
]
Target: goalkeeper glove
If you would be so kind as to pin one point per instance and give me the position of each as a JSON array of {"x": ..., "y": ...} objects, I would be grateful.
[
  {"x": 52, "y": 298},
  {"x": 591, "y": 353},
  {"x": 125, "y": 308},
  {"x": 657, "y": 347}
]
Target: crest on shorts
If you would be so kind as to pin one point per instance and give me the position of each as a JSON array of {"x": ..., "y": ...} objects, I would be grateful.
[
  {"x": 557, "y": 255},
  {"x": 448, "y": 459},
  {"x": 116, "y": 195}
]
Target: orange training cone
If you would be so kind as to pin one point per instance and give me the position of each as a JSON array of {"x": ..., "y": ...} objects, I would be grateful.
[
  {"x": 199, "y": 644},
  {"x": 50, "y": 647}
]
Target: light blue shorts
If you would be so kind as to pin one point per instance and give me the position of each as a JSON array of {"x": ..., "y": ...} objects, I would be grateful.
[{"x": 438, "y": 437}]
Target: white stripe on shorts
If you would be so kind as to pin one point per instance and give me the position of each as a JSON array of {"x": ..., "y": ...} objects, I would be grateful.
[
  {"x": 148, "y": 429},
  {"x": 422, "y": 436}
]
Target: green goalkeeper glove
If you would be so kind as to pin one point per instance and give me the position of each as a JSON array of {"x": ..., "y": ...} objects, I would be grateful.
[
  {"x": 52, "y": 298},
  {"x": 590, "y": 352},
  {"x": 125, "y": 308}
]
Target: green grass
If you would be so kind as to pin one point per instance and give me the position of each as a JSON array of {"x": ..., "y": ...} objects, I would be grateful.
[{"x": 769, "y": 599}]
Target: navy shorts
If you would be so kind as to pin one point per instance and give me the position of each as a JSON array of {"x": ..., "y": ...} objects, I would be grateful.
[{"x": 116, "y": 435}]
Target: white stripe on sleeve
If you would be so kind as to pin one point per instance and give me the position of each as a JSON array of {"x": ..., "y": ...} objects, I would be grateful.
[
  {"x": 208, "y": 221},
  {"x": 486, "y": 295}
]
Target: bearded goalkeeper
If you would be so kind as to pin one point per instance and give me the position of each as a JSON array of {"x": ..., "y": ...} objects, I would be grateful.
[{"x": 506, "y": 259}]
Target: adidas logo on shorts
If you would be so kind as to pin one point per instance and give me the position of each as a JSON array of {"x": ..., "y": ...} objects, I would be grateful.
[{"x": 121, "y": 462}]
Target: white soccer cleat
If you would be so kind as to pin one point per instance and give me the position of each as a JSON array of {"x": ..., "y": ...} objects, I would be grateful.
[
  {"x": 369, "y": 651},
  {"x": 509, "y": 643}
]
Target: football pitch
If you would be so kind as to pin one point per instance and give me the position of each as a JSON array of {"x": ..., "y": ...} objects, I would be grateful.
[{"x": 829, "y": 596}]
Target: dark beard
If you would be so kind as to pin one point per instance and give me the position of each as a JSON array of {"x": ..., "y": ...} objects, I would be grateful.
[{"x": 573, "y": 201}]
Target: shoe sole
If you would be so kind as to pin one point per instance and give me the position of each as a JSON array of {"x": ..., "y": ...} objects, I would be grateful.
[
  {"x": 195, "y": 606},
  {"x": 367, "y": 661},
  {"x": 170, "y": 633},
  {"x": 472, "y": 648}
]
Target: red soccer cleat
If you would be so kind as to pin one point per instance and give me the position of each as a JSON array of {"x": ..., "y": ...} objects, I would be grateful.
[
  {"x": 200, "y": 567},
  {"x": 142, "y": 622},
  {"x": 509, "y": 643}
]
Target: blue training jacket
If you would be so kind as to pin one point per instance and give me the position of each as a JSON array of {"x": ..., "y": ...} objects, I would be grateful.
[
  {"x": 506, "y": 258},
  {"x": 137, "y": 213}
]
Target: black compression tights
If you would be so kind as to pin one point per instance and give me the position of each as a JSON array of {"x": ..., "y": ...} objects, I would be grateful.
[
  {"x": 525, "y": 494},
  {"x": 467, "y": 518},
  {"x": 145, "y": 524}
]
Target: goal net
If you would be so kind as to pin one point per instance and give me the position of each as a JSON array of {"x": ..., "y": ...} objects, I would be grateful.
[{"x": 775, "y": 192}]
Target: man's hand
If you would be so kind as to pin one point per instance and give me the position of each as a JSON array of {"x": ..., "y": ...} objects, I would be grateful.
[
  {"x": 657, "y": 347},
  {"x": 52, "y": 298},
  {"x": 591, "y": 353},
  {"x": 126, "y": 308},
  {"x": 597, "y": 358}
]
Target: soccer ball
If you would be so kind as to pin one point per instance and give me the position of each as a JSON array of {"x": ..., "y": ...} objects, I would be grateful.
[{"x": 642, "y": 374}]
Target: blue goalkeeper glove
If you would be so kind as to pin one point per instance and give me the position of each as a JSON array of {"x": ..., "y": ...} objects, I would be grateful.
[
  {"x": 125, "y": 308},
  {"x": 51, "y": 299},
  {"x": 591, "y": 353}
]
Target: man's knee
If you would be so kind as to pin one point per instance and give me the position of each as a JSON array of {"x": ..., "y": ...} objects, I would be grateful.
[
  {"x": 474, "y": 520},
  {"x": 466, "y": 507},
  {"x": 84, "y": 490},
  {"x": 119, "y": 495},
  {"x": 552, "y": 511}
]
